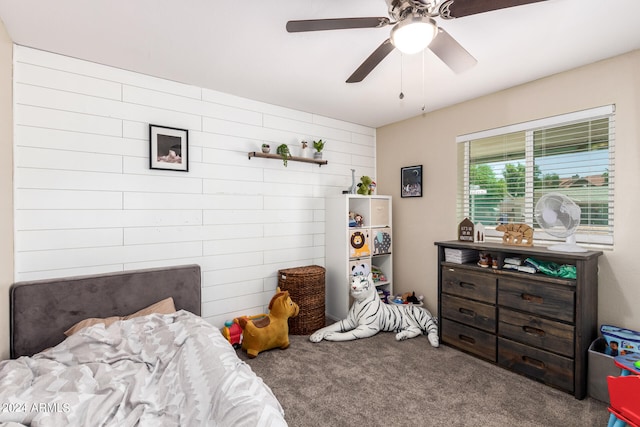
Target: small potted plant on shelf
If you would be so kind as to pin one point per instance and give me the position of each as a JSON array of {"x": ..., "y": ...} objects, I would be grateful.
[
  {"x": 283, "y": 150},
  {"x": 266, "y": 148},
  {"x": 319, "y": 146}
]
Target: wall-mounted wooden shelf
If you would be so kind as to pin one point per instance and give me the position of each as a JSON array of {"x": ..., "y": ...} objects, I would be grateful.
[{"x": 290, "y": 159}]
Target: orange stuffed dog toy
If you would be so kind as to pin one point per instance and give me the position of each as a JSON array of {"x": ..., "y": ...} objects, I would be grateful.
[{"x": 272, "y": 330}]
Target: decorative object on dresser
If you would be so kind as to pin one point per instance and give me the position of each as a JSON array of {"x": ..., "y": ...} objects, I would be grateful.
[
  {"x": 358, "y": 231},
  {"x": 516, "y": 234},
  {"x": 479, "y": 230},
  {"x": 168, "y": 148},
  {"x": 466, "y": 230},
  {"x": 411, "y": 181},
  {"x": 531, "y": 323}
]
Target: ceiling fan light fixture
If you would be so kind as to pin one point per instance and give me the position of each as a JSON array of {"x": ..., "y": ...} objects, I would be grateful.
[{"x": 413, "y": 35}]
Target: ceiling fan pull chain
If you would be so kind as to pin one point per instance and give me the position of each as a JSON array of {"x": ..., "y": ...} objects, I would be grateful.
[
  {"x": 424, "y": 96},
  {"x": 401, "y": 96}
]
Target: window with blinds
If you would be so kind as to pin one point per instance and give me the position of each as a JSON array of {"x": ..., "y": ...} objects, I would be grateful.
[{"x": 504, "y": 172}]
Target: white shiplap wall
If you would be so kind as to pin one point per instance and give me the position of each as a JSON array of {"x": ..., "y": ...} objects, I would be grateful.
[{"x": 86, "y": 201}]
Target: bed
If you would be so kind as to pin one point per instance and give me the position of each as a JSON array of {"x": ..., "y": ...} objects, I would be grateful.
[{"x": 146, "y": 358}]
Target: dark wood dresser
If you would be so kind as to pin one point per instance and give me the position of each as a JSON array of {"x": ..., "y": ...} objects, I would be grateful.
[{"x": 533, "y": 324}]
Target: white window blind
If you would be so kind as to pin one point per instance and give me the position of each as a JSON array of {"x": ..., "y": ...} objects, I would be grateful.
[{"x": 504, "y": 172}]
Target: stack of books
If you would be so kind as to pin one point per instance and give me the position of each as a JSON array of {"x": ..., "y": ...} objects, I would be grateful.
[
  {"x": 510, "y": 262},
  {"x": 516, "y": 264},
  {"x": 460, "y": 256}
]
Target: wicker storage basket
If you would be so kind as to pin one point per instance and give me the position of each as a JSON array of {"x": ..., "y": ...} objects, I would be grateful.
[{"x": 306, "y": 288}]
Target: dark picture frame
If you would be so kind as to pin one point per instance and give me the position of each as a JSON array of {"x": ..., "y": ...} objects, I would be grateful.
[
  {"x": 411, "y": 181},
  {"x": 168, "y": 148}
]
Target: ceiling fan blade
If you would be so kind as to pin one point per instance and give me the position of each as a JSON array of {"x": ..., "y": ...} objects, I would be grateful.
[
  {"x": 451, "y": 9},
  {"x": 371, "y": 62},
  {"x": 335, "y": 24},
  {"x": 451, "y": 53}
]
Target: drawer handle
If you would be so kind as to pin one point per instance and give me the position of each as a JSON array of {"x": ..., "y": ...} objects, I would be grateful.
[
  {"x": 467, "y": 312},
  {"x": 533, "y": 331},
  {"x": 466, "y": 285},
  {"x": 534, "y": 362},
  {"x": 466, "y": 339},
  {"x": 532, "y": 298}
]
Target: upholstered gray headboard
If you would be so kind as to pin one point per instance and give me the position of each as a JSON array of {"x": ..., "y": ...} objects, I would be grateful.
[{"x": 40, "y": 311}]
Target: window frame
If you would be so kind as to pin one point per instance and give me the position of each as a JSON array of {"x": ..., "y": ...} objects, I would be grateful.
[{"x": 464, "y": 192}]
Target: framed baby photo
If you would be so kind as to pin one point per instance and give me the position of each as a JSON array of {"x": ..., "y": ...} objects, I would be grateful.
[
  {"x": 168, "y": 148},
  {"x": 411, "y": 181}
]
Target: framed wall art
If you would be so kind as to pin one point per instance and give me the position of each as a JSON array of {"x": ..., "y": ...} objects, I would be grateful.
[
  {"x": 168, "y": 148},
  {"x": 411, "y": 181}
]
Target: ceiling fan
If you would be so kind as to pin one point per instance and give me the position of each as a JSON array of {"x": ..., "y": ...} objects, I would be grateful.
[{"x": 414, "y": 29}]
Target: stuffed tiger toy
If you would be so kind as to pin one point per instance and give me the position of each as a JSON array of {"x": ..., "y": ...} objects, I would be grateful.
[{"x": 368, "y": 315}]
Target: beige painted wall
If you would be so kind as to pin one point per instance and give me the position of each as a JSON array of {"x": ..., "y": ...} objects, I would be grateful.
[
  {"x": 6, "y": 185},
  {"x": 430, "y": 140}
]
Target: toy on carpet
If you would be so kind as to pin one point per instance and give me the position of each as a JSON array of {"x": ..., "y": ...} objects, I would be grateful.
[
  {"x": 368, "y": 315},
  {"x": 233, "y": 332},
  {"x": 411, "y": 298},
  {"x": 408, "y": 298},
  {"x": 366, "y": 186},
  {"x": 272, "y": 330}
]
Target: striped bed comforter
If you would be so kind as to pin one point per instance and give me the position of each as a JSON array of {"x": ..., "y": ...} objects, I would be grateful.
[{"x": 157, "y": 370}]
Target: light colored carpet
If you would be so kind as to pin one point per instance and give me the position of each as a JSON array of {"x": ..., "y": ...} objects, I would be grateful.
[{"x": 379, "y": 381}]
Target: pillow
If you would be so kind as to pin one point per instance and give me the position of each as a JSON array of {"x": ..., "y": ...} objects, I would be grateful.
[{"x": 166, "y": 306}]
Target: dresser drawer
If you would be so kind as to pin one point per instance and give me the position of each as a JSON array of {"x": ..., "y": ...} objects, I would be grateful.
[
  {"x": 467, "y": 284},
  {"x": 544, "y": 366},
  {"x": 536, "y": 331},
  {"x": 538, "y": 298},
  {"x": 472, "y": 313},
  {"x": 469, "y": 339}
]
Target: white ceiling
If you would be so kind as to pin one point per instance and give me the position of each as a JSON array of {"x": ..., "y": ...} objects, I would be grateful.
[{"x": 242, "y": 48}]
